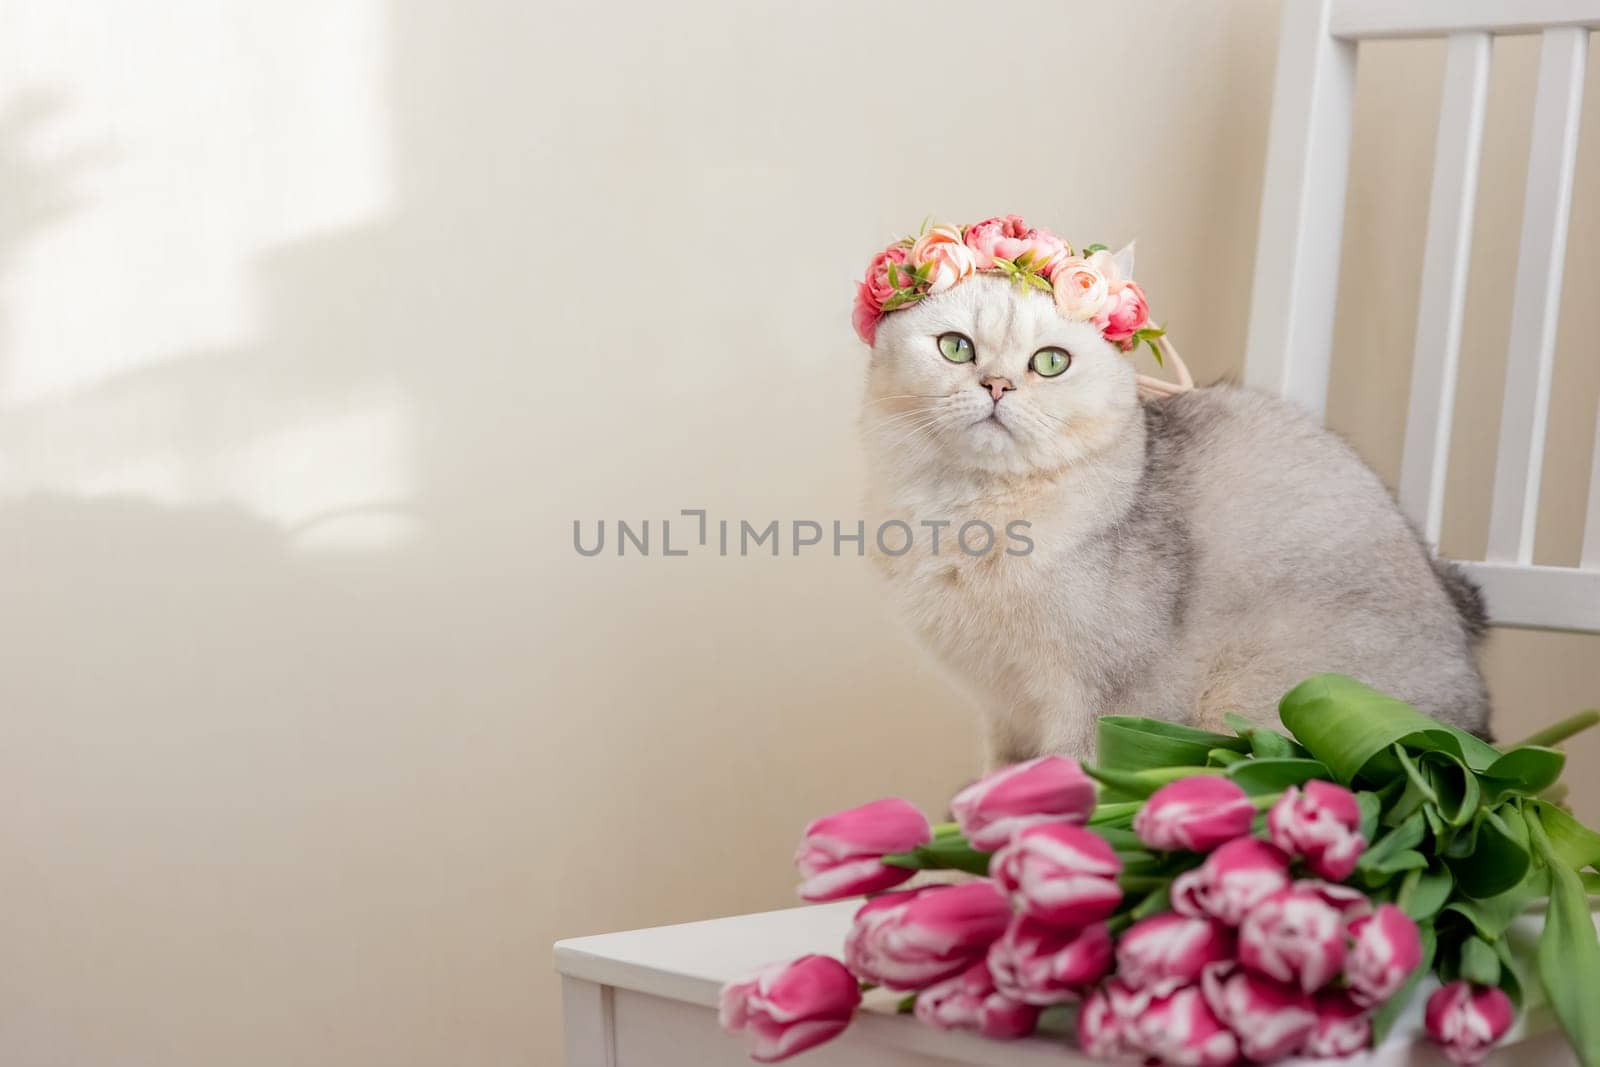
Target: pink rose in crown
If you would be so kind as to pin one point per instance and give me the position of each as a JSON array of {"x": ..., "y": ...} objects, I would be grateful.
[
  {"x": 1466, "y": 1020},
  {"x": 969, "y": 1001},
  {"x": 1040, "y": 963},
  {"x": 946, "y": 256},
  {"x": 1196, "y": 813},
  {"x": 1385, "y": 949},
  {"x": 1272, "y": 1020},
  {"x": 1232, "y": 880},
  {"x": 1293, "y": 937},
  {"x": 1079, "y": 289},
  {"x": 1343, "y": 1027},
  {"x": 1169, "y": 948},
  {"x": 1181, "y": 1028},
  {"x": 1008, "y": 237},
  {"x": 786, "y": 1008},
  {"x": 1104, "y": 263},
  {"x": 1042, "y": 790},
  {"x": 841, "y": 855},
  {"x": 880, "y": 287},
  {"x": 1124, "y": 314},
  {"x": 1060, "y": 873},
  {"x": 912, "y": 938},
  {"x": 865, "y": 314},
  {"x": 1321, "y": 823}
]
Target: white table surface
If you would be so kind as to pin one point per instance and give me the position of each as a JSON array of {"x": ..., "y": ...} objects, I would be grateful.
[{"x": 649, "y": 997}]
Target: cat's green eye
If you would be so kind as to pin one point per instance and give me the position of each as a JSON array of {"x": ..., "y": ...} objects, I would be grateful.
[
  {"x": 1049, "y": 362},
  {"x": 956, "y": 347}
]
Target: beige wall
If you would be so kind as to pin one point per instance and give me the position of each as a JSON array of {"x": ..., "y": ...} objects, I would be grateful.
[{"x": 320, "y": 324}]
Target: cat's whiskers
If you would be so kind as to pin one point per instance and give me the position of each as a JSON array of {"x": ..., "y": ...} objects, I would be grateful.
[
  {"x": 906, "y": 431},
  {"x": 905, "y": 396},
  {"x": 915, "y": 429}
]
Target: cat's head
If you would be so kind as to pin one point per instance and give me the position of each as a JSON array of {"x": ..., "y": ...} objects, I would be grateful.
[{"x": 989, "y": 377}]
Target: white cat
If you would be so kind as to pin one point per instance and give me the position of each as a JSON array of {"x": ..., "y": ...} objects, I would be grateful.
[{"x": 1192, "y": 555}]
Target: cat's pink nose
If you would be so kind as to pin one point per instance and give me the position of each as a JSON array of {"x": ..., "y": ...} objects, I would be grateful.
[{"x": 996, "y": 386}]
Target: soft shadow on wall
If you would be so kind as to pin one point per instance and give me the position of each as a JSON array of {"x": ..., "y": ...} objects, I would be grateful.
[{"x": 307, "y": 735}]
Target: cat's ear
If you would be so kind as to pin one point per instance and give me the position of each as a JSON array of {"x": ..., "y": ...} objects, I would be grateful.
[{"x": 1123, "y": 258}]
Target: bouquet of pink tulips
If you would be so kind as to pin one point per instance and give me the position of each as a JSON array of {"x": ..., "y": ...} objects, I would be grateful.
[{"x": 1202, "y": 898}]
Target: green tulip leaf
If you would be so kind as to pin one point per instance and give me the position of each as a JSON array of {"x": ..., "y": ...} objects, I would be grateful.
[
  {"x": 1427, "y": 891},
  {"x": 1408, "y": 835},
  {"x": 1569, "y": 951},
  {"x": 1576, "y": 844},
  {"x": 1455, "y": 788},
  {"x": 1265, "y": 742},
  {"x": 1510, "y": 971},
  {"x": 1527, "y": 770},
  {"x": 1500, "y": 858},
  {"x": 1128, "y": 743},
  {"x": 1479, "y": 962},
  {"x": 1371, "y": 808},
  {"x": 1258, "y": 776},
  {"x": 1375, "y": 875},
  {"x": 1350, "y": 728},
  {"x": 1491, "y": 916}
]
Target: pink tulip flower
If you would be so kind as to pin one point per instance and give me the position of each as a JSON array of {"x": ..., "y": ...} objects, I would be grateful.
[
  {"x": 1272, "y": 1020},
  {"x": 1048, "y": 789},
  {"x": 1386, "y": 948},
  {"x": 1106, "y": 1019},
  {"x": 1060, "y": 873},
  {"x": 969, "y": 1001},
  {"x": 1196, "y": 813},
  {"x": 912, "y": 938},
  {"x": 1168, "y": 948},
  {"x": 1232, "y": 880},
  {"x": 1180, "y": 1028},
  {"x": 1320, "y": 822},
  {"x": 841, "y": 855},
  {"x": 786, "y": 1008},
  {"x": 1467, "y": 1020},
  {"x": 1293, "y": 937},
  {"x": 1348, "y": 901},
  {"x": 1039, "y": 963},
  {"x": 1343, "y": 1027}
]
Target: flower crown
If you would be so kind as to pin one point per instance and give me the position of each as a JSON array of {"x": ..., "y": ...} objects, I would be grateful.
[{"x": 1095, "y": 286}]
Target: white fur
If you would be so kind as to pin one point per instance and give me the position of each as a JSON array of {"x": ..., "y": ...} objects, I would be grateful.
[{"x": 1203, "y": 566}]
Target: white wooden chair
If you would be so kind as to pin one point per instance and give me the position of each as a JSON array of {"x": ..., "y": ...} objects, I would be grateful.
[
  {"x": 646, "y": 997},
  {"x": 1297, "y": 264}
]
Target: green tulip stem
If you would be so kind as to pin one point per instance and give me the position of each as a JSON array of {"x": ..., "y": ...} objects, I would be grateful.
[
  {"x": 946, "y": 829},
  {"x": 1555, "y": 733},
  {"x": 1105, "y": 813},
  {"x": 1265, "y": 801}
]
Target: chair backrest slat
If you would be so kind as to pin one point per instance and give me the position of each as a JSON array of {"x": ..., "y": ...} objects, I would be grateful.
[
  {"x": 1536, "y": 299},
  {"x": 1297, "y": 264},
  {"x": 1444, "y": 281},
  {"x": 1589, "y": 560},
  {"x": 1369, "y": 19},
  {"x": 1302, "y": 209}
]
